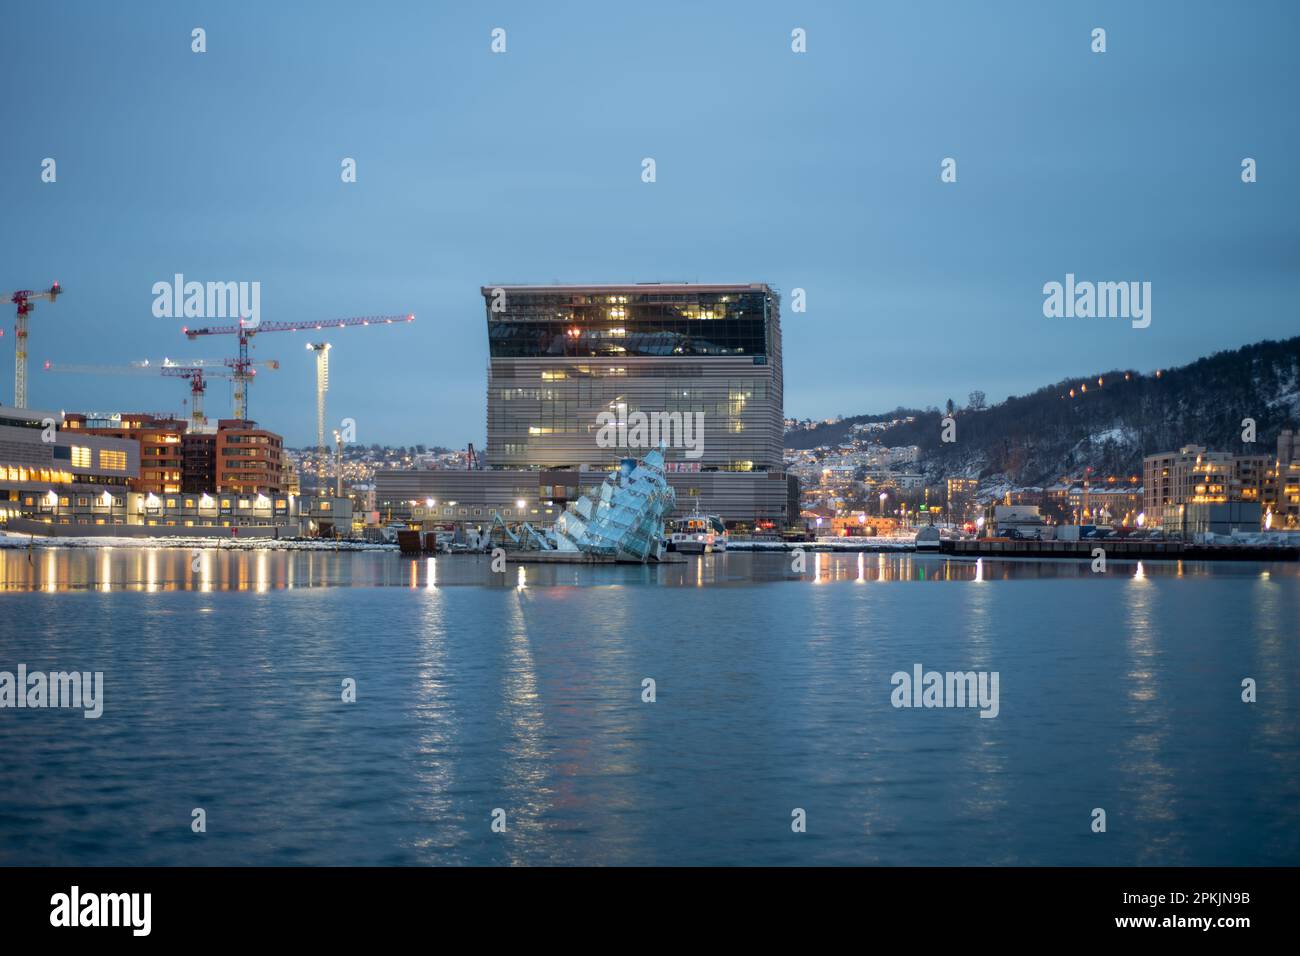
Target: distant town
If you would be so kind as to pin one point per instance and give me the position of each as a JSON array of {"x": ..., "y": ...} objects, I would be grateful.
[{"x": 859, "y": 485}]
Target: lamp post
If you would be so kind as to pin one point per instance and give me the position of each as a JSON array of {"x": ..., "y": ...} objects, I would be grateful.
[{"x": 338, "y": 465}]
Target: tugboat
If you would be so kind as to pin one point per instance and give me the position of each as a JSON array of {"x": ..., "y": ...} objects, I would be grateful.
[{"x": 699, "y": 534}]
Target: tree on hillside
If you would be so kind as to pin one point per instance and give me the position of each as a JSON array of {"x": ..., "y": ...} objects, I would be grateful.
[{"x": 978, "y": 401}]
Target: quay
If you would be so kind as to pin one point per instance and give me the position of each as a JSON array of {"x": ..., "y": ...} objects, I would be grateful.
[{"x": 1135, "y": 550}]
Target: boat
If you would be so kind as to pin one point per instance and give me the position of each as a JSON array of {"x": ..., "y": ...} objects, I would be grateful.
[
  {"x": 927, "y": 539},
  {"x": 699, "y": 534}
]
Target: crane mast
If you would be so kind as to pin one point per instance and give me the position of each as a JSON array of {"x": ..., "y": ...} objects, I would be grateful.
[{"x": 24, "y": 298}]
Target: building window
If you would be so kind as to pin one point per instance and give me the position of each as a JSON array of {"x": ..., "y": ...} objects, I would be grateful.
[
  {"x": 81, "y": 457},
  {"x": 112, "y": 460}
]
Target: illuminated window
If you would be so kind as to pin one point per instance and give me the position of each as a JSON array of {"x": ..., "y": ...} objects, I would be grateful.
[
  {"x": 112, "y": 460},
  {"x": 81, "y": 457}
]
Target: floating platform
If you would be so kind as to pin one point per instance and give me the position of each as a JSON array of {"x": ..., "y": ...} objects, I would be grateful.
[{"x": 578, "y": 557}]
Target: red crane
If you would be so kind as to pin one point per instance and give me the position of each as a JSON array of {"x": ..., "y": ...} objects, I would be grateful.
[
  {"x": 24, "y": 299},
  {"x": 242, "y": 366}
]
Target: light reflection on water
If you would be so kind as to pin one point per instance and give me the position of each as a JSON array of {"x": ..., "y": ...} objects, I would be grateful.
[
  {"x": 173, "y": 569},
  {"x": 1117, "y": 691},
  {"x": 1111, "y": 698}
]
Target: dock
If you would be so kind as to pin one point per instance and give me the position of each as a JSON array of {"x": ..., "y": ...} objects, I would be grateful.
[{"x": 1131, "y": 550}]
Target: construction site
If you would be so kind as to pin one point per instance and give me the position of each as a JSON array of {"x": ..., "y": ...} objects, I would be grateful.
[{"x": 166, "y": 473}]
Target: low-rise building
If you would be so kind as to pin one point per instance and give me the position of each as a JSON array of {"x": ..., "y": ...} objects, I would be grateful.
[
  {"x": 45, "y": 464},
  {"x": 157, "y": 436}
]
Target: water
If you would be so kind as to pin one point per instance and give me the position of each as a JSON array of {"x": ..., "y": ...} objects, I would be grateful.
[{"x": 478, "y": 691}]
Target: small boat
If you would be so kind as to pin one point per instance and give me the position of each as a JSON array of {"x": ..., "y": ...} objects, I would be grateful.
[
  {"x": 927, "y": 539},
  {"x": 699, "y": 534},
  {"x": 389, "y": 531}
]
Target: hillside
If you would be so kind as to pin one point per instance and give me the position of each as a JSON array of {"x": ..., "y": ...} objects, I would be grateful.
[{"x": 1109, "y": 427}]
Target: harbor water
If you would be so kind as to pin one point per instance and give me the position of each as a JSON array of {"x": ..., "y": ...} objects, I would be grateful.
[{"x": 523, "y": 698}]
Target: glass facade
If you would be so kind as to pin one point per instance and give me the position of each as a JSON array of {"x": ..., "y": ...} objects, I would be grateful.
[
  {"x": 535, "y": 324},
  {"x": 701, "y": 361}
]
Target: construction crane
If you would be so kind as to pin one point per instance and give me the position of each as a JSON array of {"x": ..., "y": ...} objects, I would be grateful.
[
  {"x": 24, "y": 299},
  {"x": 196, "y": 371},
  {"x": 241, "y": 364},
  {"x": 322, "y": 350}
]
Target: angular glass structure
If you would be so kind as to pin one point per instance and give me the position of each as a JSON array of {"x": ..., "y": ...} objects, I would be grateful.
[{"x": 626, "y": 521}]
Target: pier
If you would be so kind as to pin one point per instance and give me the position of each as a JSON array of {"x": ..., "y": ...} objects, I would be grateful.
[{"x": 1134, "y": 550}]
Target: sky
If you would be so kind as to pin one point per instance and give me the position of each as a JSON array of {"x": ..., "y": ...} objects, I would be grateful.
[{"x": 817, "y": 170}]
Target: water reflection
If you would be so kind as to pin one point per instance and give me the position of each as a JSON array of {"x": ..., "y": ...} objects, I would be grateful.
[
  {"x": 53, "y": 569},
  {"x": 1150, "y": 780}
]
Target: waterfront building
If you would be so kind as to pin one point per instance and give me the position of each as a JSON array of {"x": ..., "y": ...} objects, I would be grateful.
[
  {"x": 248, "y": 459},
  {"x": 159, "y": 440},
  {"x": 83, "y": 475},
  {"x": 44, "y": 464},
  {"x": 1201, "y": 517},
  {"x": 580, "y": 377},
  {"x": 1024, "y": 518},
  {"x": 199, "y": 462},
  {"x": 1193, "y": 477},
  {"x": 1190, "y": 475},
  {"x": 960, "y": 493},
  {"x": 141, "y": 514}
]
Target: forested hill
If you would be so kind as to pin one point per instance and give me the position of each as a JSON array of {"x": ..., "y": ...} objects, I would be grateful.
[{"x": 1108, "y": 420}]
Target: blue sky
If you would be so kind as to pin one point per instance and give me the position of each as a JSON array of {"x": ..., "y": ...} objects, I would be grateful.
[{"x": 818, "y": 171}]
